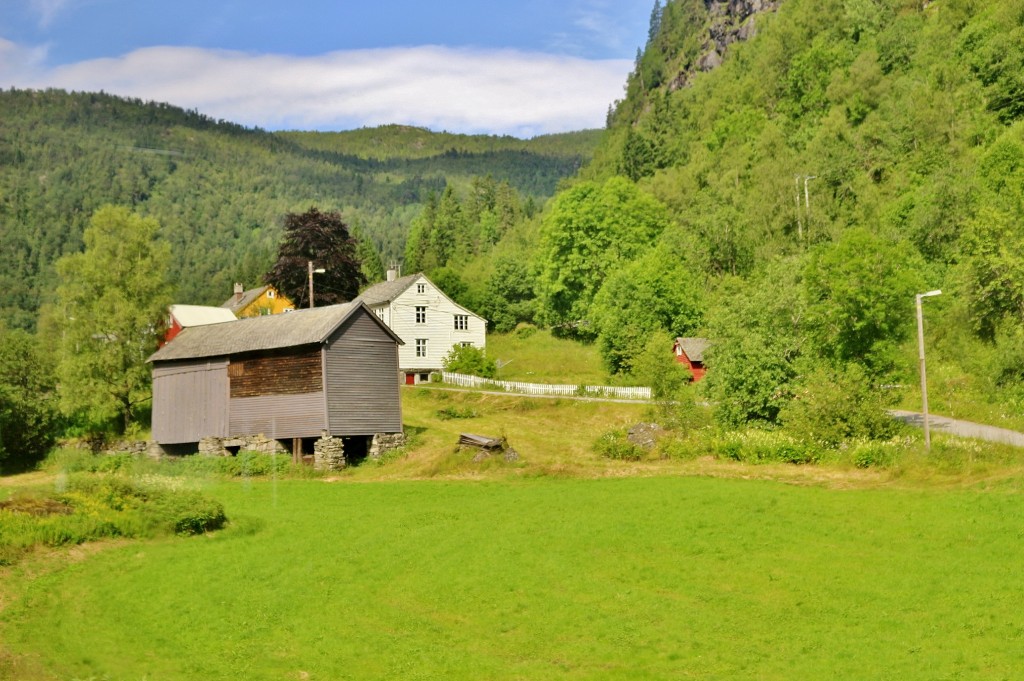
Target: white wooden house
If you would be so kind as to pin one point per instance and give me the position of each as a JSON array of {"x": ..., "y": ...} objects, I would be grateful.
[{"x": 427, "y": 320}]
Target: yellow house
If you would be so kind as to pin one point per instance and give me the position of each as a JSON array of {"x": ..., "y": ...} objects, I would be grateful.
[{"x": 256, "y": 302}]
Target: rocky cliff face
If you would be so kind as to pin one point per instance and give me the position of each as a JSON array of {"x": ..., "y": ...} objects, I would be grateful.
[{"x": 731, "y": 21}]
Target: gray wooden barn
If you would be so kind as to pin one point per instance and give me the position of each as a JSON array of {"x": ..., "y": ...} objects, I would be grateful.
[{"x": 287, "y": 377}]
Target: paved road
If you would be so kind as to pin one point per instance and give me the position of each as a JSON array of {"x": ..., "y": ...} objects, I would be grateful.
[{"x": 961, "y": 428}]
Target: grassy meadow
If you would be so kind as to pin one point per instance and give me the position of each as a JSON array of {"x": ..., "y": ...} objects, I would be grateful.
[
  {"x": 665, "y": 577},
  {"x": 562, "y": 564},
  {"x": 535, "y": 356}
]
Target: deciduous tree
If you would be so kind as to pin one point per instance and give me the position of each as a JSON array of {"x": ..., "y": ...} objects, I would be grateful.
[
  {"x": 28, "y": 405},
  {"x": 324, "y": 239},
  {"x": 112, "y": 296}
]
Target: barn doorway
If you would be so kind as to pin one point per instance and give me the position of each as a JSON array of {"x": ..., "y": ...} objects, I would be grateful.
[{"x": 357, "y": 448}]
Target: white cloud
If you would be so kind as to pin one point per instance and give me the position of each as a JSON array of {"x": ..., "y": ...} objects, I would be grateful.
[
  {"x": 460, "y": 90},
  {"x": 18, "y": 62},
  {"x": 48, "y": 10}
]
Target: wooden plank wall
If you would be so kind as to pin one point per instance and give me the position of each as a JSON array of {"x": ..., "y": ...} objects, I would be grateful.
[
  {"x": 279, "y": 416},
  {"x": 190, "y": 401},
  {"x": 362, "y": 379},
  {"x": 292, "y": 373}
]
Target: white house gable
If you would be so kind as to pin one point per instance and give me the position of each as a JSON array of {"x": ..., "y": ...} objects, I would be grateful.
[{"x": 427, "y": 320}]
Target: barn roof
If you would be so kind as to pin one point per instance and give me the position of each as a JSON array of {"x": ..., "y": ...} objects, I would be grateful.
[
  {"x": 386, "y": 291},
  {"x": 269, "y": 332},
  {"x": 197, "y": 315},
  {"x": 693, "y": 347}
]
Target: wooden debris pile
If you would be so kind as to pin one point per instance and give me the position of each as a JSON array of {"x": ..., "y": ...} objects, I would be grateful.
[{"x": 489, "y": 446}]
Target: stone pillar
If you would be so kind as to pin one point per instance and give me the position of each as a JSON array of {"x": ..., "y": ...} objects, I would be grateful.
[{"x": 328, "y": 453}]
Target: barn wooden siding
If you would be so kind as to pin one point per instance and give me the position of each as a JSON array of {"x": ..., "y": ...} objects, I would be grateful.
[
  {"x": 290, "y": 372},
  {"x": 362, "y": 378},
  {"x": 279, "y": 416},
  {"x": 190, "y": 400}
]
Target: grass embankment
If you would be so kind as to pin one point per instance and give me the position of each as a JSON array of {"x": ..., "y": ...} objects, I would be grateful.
[
  {"x": 535, "y": 356},
  {"x": 634, "y": 578}
]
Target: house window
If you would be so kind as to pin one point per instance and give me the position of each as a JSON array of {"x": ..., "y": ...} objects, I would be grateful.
[
  {"x": 461, "y": 322},
  {"x": 421, "y": 347},
  {"x": 421, "y": 288},
  {"x": 466, "y": 344},
  {"x": 421, "y": 314},
  {"x": 380, "y": 313},
  {"x": 270, "y": 293}
]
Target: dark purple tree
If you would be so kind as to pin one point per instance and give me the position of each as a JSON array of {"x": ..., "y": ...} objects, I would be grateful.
[{"x": 322, "y": 238}]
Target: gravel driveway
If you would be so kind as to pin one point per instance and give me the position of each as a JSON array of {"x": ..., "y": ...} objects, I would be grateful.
[{"x": 961, "y": 428}]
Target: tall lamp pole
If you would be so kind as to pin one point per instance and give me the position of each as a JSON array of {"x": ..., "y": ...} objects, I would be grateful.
[
  {"x": 920, "y": 356},
  {"x": 319, "y": 270}
]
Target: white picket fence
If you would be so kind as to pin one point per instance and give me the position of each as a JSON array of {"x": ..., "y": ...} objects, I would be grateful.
[{"x": 519, "y": 387}]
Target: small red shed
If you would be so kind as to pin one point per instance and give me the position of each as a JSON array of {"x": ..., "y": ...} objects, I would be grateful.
[{"x": 690, "y": 351}]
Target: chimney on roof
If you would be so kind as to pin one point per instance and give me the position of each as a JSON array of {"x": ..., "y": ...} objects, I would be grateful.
[
  {"x": 238, "y": 292},
  {"x": 392, "y": 274}
]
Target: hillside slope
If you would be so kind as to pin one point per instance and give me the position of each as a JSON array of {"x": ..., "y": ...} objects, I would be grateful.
[
  {"x": 218, "y": 189},
  {"x": 817, "y": 163}
]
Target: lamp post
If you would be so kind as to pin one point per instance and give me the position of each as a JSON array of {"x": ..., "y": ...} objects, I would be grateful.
[
  {"x": 319, "y": 270},
  {"x": 920, "y": 355}
]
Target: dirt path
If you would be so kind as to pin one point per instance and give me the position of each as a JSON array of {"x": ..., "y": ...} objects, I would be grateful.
[{"x": 961, "y": 428}]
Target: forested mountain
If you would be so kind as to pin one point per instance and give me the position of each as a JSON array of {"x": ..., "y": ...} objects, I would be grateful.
[
  {"x": 219, "y": 190},
  {"x": 783, "y": 177}
]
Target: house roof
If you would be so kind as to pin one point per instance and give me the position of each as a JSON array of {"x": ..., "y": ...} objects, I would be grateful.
[
  {"x": 693, "y": 347},
  {"x": 198, "y": 315},
  {"x": 247, "y": 298},
  {"x": 268, "y": 332},
  {"x": 386, "y": 291}
]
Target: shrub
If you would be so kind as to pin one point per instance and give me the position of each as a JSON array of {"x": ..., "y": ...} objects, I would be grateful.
[
  {"x": 763, "y": 446},
  {"x": 244, "y": 464},
  {"x": 452, "y": 412},
  {"x": 682, "y": 448},
  {"x": 96, "y": 506},
  {"x": 524, "y": 330},
  {"x": 874, "y": 454},
  {"x": 615, "y": 445},
  {"x": 835, "y": 405},
  {"x": 469, "y": 359}
]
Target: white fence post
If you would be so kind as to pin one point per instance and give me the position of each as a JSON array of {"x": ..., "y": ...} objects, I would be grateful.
[{"x": 629, "y": 393}]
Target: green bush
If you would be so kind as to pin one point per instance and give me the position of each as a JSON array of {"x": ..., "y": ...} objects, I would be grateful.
[
  {"x": 831, "y": 406},
  {"x": 874, "y": 454},
  {"x": 682, "y": 448},
  {"x": 763, "y": 446},
  {"x": 453, "y": 412},
  {"x": 469, "y": 359},
  {"x": 95, "y": 506},
  {"x": 243, "y": 465},
  {"x": 615, "y": 445}
]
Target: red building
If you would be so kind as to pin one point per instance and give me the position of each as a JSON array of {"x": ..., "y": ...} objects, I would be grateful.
[
  {"x": 183, "y": 316},
  {"x": 690, "y": 351}
]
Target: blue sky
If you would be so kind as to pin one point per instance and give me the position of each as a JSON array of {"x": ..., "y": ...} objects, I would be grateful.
[{"x": 523, "y": 67}]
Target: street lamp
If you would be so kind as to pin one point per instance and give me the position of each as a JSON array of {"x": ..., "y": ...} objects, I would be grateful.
[
  {"x": 920, "y": 355},
  {"x": 319, "y": 270}
]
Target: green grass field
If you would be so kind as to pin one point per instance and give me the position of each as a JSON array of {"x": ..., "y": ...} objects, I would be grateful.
[
  {"x": 562, "y": 564},
  {"x": 634, "y": 578}
]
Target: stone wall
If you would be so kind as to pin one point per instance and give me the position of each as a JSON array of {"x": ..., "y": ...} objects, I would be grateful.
[
  {"x": 385, "y": 442},
  {"x": 218, "y": 446}
]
